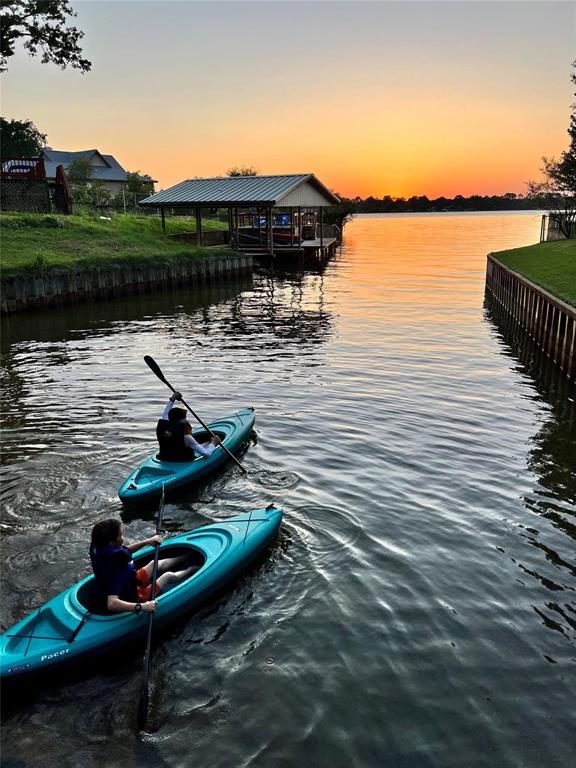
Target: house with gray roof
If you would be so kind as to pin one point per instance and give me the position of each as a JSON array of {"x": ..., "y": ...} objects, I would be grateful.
[{"x": 106, "y": 170}]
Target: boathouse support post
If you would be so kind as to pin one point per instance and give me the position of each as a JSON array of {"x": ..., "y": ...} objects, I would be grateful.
[
  {"x": 199, "y": 239},
  {"x": 321, "y": 227},
  {"x": 163, "y": 220},
  {"x": 299, "y": 226},
  {"x": 291, "y": 226},
  {"x": 270, "y": 232}
]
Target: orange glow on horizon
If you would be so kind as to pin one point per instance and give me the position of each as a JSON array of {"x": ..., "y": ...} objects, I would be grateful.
[
  {"x": 456, "y": 151},
  {"x": 373, "y": 98},
  {"x": 392, "y": 155}
]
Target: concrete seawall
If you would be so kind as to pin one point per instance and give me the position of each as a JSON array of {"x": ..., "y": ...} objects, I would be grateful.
[{"x": 22, "y": 294}]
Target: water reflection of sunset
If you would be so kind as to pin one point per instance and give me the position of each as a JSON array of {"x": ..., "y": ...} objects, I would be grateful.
[{"x": 410, "y": 254}]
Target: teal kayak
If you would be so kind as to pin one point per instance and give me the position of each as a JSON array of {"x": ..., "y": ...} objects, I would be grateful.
[
  {"x": 63, "y": 633},
  {"x": 146, "y": 481}
]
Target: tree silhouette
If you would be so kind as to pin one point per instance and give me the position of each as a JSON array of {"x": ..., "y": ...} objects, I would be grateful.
[
  {"x": 242, "y": 170},
  {"x": 20, "y": 138},
  {"x": 556, "y": 193},
  {"x": 41, "y": 25}
]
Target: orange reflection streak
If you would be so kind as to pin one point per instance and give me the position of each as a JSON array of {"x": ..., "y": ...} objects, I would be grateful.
[{"x": 403, "y": 255}]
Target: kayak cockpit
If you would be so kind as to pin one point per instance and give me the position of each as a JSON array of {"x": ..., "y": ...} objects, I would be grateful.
[{"x": 91, "y": 601}]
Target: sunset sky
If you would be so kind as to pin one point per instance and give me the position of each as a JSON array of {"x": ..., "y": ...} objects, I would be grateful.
[{"x": 375, "y": 98}]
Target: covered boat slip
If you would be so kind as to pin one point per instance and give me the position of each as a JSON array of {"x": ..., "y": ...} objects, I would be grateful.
[{"x": 266, "y": 215}]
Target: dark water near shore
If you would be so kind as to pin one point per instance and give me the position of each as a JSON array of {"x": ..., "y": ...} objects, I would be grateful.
[{"x": 419, "y": 607}]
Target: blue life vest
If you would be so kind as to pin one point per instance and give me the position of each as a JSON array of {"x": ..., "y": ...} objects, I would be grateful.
[
  {"x": 114, "y": 574},
  {"x": 170, "y": 436}
]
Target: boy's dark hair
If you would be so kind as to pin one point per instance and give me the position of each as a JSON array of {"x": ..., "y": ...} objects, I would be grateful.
[
  {"x": 176, "y": 414},
  {"x": 105, "y": 531}
]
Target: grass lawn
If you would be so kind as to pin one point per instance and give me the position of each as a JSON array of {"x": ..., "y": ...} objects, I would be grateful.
[
  {"x": 36, "y": 243},
  {"x": 551, "y": 265}
]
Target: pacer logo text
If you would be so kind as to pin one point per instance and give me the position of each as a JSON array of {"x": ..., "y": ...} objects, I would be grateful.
[{"x": 54, "y": 655}]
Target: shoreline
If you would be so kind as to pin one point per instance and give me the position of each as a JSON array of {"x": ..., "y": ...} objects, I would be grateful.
[
  {"x": 549, "y": 321},
  {"x": 551, "y": 266},
  {"x": 57, "y": 287}
]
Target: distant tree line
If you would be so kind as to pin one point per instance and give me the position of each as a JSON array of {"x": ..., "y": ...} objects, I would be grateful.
[
  {"x": 242, "y": 170},
  {"x": 422, "y": 204}
]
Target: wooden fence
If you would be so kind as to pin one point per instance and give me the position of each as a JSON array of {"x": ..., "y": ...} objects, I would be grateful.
[
  {"x": 550, "y": 322},
  {"x": 21, "y": 294}
]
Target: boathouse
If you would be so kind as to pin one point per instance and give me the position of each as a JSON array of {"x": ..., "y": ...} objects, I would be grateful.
[{"x": 266, "y": 215}]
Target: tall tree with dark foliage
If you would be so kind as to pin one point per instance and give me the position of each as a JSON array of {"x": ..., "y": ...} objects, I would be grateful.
[
  {"x": 20, "y": 138},
  {"x": 41, "y": 27}
]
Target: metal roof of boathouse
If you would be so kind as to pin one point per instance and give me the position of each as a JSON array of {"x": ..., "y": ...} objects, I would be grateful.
[{"x": 290, "y": 190}]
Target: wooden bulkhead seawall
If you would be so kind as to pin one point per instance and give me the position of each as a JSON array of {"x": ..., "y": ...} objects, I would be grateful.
[
  {"x": 57, "y": 287},
  {"x": 549, "y": 321}
]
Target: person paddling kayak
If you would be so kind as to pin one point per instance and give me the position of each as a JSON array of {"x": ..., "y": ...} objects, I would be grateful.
[
  {"x": 174, "y": 435},
  {"x": 119, "y": 585}
]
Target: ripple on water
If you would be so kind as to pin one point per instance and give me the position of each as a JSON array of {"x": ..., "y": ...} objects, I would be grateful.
[{"x": 274, "y": 480}]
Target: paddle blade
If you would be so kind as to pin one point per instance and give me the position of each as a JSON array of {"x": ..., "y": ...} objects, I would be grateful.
[
  {"x": 143, "y": 705},
  {"x": 154, "y": 367}
]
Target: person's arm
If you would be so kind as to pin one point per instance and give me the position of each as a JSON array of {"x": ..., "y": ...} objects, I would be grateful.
[
  {"x": 144, "y": 543},
  {"x": 170, "y": 403},
  {"x": 203, "y": 450},
  {"x": 115, "y": 605}
]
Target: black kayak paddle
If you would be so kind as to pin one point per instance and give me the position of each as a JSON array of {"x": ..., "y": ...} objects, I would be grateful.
[{"x": 145, "y": 689}]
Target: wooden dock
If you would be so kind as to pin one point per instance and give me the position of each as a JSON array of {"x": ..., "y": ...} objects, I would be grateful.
[
  {"x": 310, "y": 250},
  {"x": 320, "y": 247}
]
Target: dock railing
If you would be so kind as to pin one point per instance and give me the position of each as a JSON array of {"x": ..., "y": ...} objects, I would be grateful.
[{"x": 331, "y": 230}]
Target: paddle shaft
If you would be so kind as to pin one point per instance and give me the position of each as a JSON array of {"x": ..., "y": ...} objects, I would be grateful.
[
  {"x": 78, "y": 628},
  {"x": 145, "y": 689},
  {"x": 155, "y": 368}
]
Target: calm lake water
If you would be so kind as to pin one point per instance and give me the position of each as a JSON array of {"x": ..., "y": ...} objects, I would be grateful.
[{"x": 419, "y": 606}]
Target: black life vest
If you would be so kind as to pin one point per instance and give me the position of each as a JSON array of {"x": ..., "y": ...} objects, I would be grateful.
[{"x": 170, "y": 436}]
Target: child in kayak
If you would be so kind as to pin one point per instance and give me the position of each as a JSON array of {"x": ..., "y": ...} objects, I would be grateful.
[
  {"x": 174, "y": 435},
  {"x": 120, "y": 586}
]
